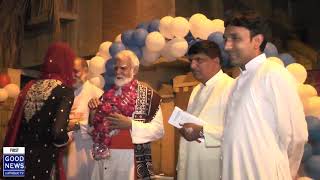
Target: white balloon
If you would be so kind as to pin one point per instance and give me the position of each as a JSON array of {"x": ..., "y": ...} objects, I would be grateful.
[
  {"x": 166, "y": 53},
  {"x": 165, "y": 27},
  {"x": 3, "y": 95},
  {"x": 104, "y": 50},
  {"x": 97, "y": 65},
  {"x": 218, "y": 23},
  {"x": 98, "y": 81},
  {"x": 180, "y": 27},
  {"x": 298, "y": 71},
  {"x": 149, "y": 57},
  {"x": 118, "y": 39},
  {"x": 13, "y": 90},
  {"x": 155, "y": 41},
  {"x": 194, "y": 19},
  {"x": 206, "y": 27},
  {"x": 276, "y": 60},
  {"x": 178, "y": 47}
]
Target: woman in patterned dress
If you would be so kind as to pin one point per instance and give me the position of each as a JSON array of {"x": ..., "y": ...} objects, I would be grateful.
[{"x": 40, "y": 118}]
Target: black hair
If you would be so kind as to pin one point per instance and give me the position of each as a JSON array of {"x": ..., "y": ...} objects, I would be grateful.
[
  {"x": 250, "y": 20},
  {"x": 206, "y": 47}
]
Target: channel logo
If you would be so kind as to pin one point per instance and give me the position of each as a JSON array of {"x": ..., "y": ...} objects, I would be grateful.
[{"x": 13, "y": 161}]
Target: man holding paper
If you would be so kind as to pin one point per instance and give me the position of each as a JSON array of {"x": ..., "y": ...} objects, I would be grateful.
[{"x": 201, "y": 160}]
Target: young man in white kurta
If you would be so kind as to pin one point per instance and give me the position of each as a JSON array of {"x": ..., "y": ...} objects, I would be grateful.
[
  {"x": 79, "y": 161},
  {"x": 208, "y": 99},
  {"x": 265, "y": 129}
]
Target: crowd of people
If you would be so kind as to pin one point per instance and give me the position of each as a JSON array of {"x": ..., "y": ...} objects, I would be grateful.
[{"x": 254, "y": 126}]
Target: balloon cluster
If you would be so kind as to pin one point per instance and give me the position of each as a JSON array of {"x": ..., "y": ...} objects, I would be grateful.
[{"x": 7, "y": 89}]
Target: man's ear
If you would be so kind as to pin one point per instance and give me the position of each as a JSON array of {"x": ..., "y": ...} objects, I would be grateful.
[
  {"x": 258, "y": 39},
  {"x": 135, "y": 70}
]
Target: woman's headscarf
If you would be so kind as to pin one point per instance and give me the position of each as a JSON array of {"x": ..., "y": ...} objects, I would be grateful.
[{"x": 58, "y": 63}]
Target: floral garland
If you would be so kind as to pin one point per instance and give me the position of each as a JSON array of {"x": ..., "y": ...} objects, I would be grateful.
[{"x": 111, "y": 103}]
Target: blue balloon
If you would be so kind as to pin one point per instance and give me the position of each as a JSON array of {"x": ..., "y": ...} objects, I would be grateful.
[
  {"x": 126, "y": 37},
  {"x": 313, "y": 128},
  {"x": 270, "y": 50},
  {"x": 139, "y": 37},
  {"x": 225, "y": 60},
  {"x": 110, "y": 67},
  {"x": 115, "y": 48},
  {"x": 307, "y": 152},
  {"x": 154, "y": 25},
  {"x": 189, "y": 38},
  {"x": 136, "y": 50},
  {"x": 217, "y": 37},
  {"x": 144, "y": 26},
  {"x": 312, "y": 167},
  {"x": 109, "y": 82},
  {"x": 316, "y": 148},
  {"x": 286, "y": 59}
]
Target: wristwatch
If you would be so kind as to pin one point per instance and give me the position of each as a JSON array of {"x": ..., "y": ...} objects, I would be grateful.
[{"x": 201, "y": 133}]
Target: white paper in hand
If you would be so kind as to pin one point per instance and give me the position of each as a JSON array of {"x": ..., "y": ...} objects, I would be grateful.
[{"x": 179, "y": 116}]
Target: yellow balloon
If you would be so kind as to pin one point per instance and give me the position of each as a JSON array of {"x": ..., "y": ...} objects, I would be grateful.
[{"x": 276, "y": 60}]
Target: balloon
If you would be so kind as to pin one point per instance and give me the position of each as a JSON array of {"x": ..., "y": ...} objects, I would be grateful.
[
  {"x": 118, "y": 39},
  {"x": 98, "y": 81},
  {"x": 115, "y": 48},
  {"x": 298, "y": 71},
  {"x": 126, "y": 37},
  {"x": 307, "y": 152},
  {"x": 165, "y": 27},
  {"x": 154, "y": 25},
  {"x": 306, "y": 91},
  {"x": 104, "y": 50},
  {"x": 217, "y": 37},
  {"x": 304, "y": 178},
  {"x": 110, "y": 67},
  {"x": 276, "y": 60},
  {"x": 136, "y": 50},
  {"x": 13, "y": 90},
  {"x": 3, "y": 95},
  {"x": 4, "y": 80},
  {"x": 312, "y": 167},
  {"x": 316, "y": 148},
  {"x": 179, "y": 27},
  {"x": 166, "y": 53},
  {"x": 194, "y": 19},
  {"x": 155, "y": 41},
  {"x": 97, "y": 65},
  {"x": 313, "y": 128},
  {"x": 178, "y": 47},
  {"x": 139, "y": 37},
  {"x": 286, "y": 58},
  {"x": 149, "y": 57},
  {"x": 144, "y": 25},
  {"x": 313, "y": 106},
  {"x": 202, "y": 29},
  {"x": 270, "y": 50},
  {"x": 218, "y": 24}
]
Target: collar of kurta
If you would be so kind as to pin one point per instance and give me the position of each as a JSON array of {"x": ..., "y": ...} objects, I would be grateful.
[
  {"x": 213, "y": 79},
  {"x": 254, "y": 63}
]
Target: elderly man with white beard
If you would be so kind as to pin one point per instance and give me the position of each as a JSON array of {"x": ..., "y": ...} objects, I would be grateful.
[{"x": 132, "y": 114}]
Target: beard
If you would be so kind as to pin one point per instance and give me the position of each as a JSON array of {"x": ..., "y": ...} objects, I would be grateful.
[{"x": 121, "y": 81}]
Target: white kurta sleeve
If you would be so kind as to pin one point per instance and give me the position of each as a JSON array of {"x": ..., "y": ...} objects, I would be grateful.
[
  {"x": 212, "y": 135},
  {"x": 290, "y": 118},
  {"x": 147, "y": 132}
]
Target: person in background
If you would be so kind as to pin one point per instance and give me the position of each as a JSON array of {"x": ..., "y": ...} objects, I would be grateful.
[
  {"x": 265, "y": 128},
  {"x": 79, "y": 160},
  {"x": 39, "y": 119},
  {"x": 201, "y": 160}
]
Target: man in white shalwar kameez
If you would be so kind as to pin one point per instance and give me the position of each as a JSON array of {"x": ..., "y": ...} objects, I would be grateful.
[
  {"x": 201, "y": 160},
  {"x": 265, "y": 129},
  {"x": 131, "y": 148},
  {"x": 79, "y": 161}
]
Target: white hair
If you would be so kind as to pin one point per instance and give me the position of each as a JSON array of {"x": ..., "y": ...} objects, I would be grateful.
[{"x": 127, "y": 54}]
